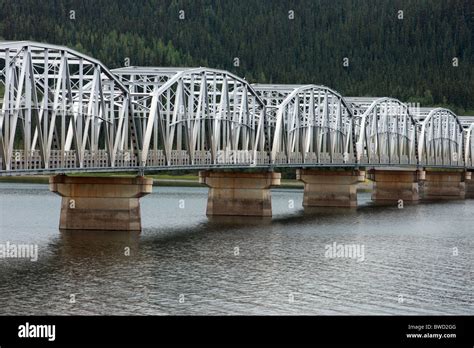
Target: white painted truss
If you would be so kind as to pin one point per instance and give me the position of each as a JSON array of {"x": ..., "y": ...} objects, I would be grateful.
[
  {"x": 199, "y": 115},
  {"x": 62, "y": 111},
  {"x": 441, "y": 137},
  {"x": 386, "y": 131},
  {"x": 469, "y": 151},
  {"x": 308, "y": 124}
]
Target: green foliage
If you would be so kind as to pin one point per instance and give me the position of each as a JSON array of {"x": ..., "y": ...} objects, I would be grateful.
[{"x": 409, "y": 58}]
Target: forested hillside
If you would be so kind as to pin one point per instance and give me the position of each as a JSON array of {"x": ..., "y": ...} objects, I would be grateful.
[{"x": 412, "y": 58}]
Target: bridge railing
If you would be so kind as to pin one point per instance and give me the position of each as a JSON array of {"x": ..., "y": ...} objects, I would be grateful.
[
  {"x": 58, "y": 159},
  {"x": 67, "y": 160},
  {"x": 309, "y": 158},
  {"x": 443, "y": 161},
  {"x": 384, "y": 159}
]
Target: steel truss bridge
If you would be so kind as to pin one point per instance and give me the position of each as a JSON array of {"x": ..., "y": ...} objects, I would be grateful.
[{"x": 63, "y": 111}]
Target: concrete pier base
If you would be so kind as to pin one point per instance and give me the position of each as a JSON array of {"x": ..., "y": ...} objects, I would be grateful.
[
  {"x": 239, "y": 194},
  {"x": 394, "y": 185},
  {"x": 329, "y": 188},
  {"x": 100, "y": 203},
  {"x": 444, "y": 185}
]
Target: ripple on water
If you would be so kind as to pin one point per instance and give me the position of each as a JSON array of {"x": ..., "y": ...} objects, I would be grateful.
[{"x": 417, "y": 260}]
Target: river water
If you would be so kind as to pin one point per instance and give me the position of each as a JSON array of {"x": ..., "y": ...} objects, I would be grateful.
[{"x": 415, "y": 260}]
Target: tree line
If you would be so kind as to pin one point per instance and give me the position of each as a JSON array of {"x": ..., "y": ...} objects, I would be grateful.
[{"x": 417, "y": 51}]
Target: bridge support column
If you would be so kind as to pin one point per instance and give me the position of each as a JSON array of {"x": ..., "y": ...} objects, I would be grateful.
[
  {"x": 444, "y": 185},
  {"x": 393, "y": 185},
  {"x": 329, "y": 188},
  {"x": 100, "y": 203},
  {"x": 239, "y": 194}
]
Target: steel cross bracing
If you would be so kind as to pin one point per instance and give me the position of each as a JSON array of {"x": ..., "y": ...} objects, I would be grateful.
[
  {"x": 196, "y": 116},
  {"x": 386, "y": 131},
  {"x": 469, "y": 148},
  {"x": 468, "y": 125},
  {"x": 441, "y": 138},
  {"x": 308, "y": 124},
  {"x": 62, "y": 111},
  {"x": 466, "y": 121}
]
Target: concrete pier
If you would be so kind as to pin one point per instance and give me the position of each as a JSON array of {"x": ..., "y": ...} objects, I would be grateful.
[
  {"x": 392, "y": 185},
  {"x": 323, "y": 188},
  {"x": 100, "y": 203},
  {"x": 239, "y": 193},
  {"x": 444, "y": 185}
]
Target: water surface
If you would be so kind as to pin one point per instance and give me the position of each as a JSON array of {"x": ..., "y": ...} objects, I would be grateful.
[{"x": 417, "y": 260}]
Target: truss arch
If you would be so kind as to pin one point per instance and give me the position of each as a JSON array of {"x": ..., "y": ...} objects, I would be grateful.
[
  {"x": 60, "y": 108},
  {"x": 209, "y": 116},
  {"x": 386, "y": 131},
  {"x": 308, "y": 124},
  {"x": 441, "y": 137}
]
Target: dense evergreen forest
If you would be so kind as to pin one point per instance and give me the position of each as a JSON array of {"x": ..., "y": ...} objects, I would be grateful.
[{"x": 415, "y": 50}]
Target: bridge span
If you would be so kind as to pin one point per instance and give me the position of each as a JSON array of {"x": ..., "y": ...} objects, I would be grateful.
[{"x": 63, "y": 112}]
